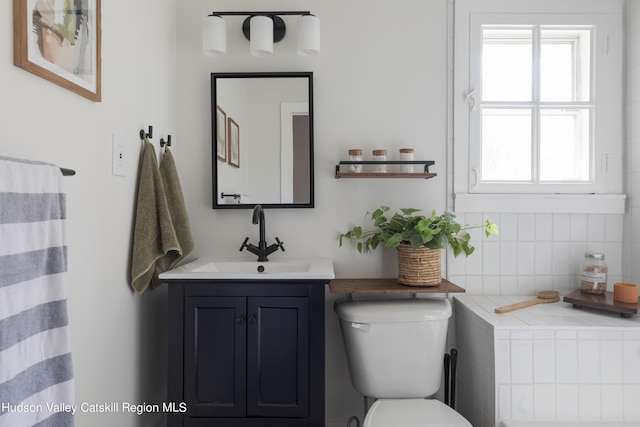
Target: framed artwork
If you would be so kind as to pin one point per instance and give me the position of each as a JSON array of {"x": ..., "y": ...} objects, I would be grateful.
[
  {"x": 60, "y": 43},
  {"x": 221, "y": 134},
  {"x": 234, "y": 143}
]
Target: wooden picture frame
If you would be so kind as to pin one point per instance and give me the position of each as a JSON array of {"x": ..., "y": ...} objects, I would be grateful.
[
  {"x": 221, "y": 134},
  {"x": 234, "y": 143},
  {"x": 62, "y": 46}
]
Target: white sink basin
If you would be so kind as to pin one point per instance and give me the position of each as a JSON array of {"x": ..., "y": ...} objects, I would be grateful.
[{"x": 244, "y": 268}]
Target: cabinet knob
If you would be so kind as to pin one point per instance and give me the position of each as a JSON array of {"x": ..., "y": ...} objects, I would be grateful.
[
  {"x": 240, "y": 320},
  {"x": 252, "y": 319}
]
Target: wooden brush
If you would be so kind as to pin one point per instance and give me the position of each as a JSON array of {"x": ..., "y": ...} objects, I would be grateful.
[{"x": 542, "y": 298}]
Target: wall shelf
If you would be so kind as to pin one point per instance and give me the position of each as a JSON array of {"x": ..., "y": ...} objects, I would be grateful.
[
  {"x": 388, "y": 286},
  {"x": 392, "y": 174}
]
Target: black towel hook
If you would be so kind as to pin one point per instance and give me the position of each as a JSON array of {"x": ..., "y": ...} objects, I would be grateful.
[
  {"x": 168, "y": 141},
  {"x": 144, "y": 134}
]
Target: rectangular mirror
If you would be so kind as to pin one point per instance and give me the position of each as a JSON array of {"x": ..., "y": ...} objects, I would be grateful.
[{"x": 262, "y": 140}]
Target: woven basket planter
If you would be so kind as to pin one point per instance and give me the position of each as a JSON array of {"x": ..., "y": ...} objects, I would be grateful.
[{"x": 420, "y": 267}]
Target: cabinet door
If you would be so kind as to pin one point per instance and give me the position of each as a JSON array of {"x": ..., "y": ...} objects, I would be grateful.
[
  {"x": 278, "y": 357},
  {"x": 214, "y": 356}
]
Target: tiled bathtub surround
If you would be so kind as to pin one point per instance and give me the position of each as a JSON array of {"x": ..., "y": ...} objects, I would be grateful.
[
  {"x": 547, "y": 362},
  {"x": 535, "y": 252}
]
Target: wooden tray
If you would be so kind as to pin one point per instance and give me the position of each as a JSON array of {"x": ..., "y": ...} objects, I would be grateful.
[{"x": 604, "y": 302}]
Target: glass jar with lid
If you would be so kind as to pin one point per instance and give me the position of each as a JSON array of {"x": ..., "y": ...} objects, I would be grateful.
[
  {"x": 593, "y": 274},
  {"x": 406, "y": 154},
  {"x": 355, "y": 155},
  {"x": 380, "y": 156}
]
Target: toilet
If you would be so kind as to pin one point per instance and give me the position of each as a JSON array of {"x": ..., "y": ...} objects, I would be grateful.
[{"x": 395, "y": 351}]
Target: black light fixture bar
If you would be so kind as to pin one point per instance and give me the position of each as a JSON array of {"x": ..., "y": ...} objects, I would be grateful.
[{"x": 304, "y": 12}]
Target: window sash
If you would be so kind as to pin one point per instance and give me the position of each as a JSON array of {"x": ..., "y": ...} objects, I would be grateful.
[{"x": 581, "y": 178}]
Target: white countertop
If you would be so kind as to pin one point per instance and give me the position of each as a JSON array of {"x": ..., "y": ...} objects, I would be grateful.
[
  {"x": 553, "y": 315},
  {"x": 247, "y": 268}
]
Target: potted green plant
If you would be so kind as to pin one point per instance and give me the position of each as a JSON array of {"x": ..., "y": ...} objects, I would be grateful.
[{"x": 419, "y": 240}]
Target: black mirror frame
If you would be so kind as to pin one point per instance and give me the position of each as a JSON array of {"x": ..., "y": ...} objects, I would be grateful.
[{"x": 214, "y": 161}]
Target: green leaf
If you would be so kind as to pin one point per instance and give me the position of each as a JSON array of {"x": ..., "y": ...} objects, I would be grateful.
[
  {"x": 456, "y": 250},
  {"x": 394, "y": 241},
  {"x": 416, "y": 241},
  {"x": 490, "y": 229},
  {"x": 409, "y": 211}
]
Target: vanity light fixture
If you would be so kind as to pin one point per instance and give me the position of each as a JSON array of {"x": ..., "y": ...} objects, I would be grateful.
[{"x": 262, "y": 29}]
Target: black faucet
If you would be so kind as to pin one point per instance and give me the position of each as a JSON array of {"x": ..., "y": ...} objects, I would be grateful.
[{"x": 262, "y": 250}]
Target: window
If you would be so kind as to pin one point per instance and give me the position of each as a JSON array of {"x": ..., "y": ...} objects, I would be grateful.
[
  {"x": 535, "y": 108},
  {"x": 538, "y": 102}
]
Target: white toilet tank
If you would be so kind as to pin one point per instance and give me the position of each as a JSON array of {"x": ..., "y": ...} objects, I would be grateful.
[{"x": 395, "y": 348}]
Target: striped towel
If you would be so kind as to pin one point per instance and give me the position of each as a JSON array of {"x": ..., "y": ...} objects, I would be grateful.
[{"x": 36, "y": 377}]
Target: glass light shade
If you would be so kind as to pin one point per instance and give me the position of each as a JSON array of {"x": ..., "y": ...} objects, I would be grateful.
[
  {"x": 214, "y": 36},
  {"x": 308, "y": 35},
  {"x": 261, "y": 35}
]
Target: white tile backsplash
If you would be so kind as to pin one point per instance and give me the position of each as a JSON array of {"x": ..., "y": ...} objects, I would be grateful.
[
  {"x": 525, "y": 253},
  {"x": 491, "y": 257},
  {"x": 596, "y": 228},
  {"x": 543, "y": 265},
  {"x": 536, "y": 252},
  {"x": 526, "y": 227},
  {"x": 578, "y": 227},
  {"x": 508, "y": 227},
  {"x": 549, "y": 362},
  {"x": 544, "y": 227},
  {"x": 561, "y": 227},
  {"x": 508, "y": 258}
]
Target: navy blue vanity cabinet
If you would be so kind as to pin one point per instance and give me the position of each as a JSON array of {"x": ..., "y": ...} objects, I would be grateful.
[{"x": 246, "y": 354}]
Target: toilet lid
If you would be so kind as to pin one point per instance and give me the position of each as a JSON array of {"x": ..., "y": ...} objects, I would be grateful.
[{"x": 413, "y": 413}]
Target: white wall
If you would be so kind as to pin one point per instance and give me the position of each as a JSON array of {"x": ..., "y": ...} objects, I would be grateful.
[
  {"x": 117, "y": 337},
  {"x": 378, "y": 83}
]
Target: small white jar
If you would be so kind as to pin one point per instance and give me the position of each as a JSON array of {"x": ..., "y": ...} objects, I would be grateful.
[
  {"x": 355, "y": 155},
  {"x": 406, "y": 154},
  {"x": 380, "y": 156}
]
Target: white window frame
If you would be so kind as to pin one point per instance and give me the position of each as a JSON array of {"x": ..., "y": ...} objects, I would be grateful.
[{"x": 607, "y": 133}]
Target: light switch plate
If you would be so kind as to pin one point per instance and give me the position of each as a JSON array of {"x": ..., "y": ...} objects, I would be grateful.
[{"x": 119, "y": 158}]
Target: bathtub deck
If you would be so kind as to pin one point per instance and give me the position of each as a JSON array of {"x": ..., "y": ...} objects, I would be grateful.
[{"x": 553, "y": 315}]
